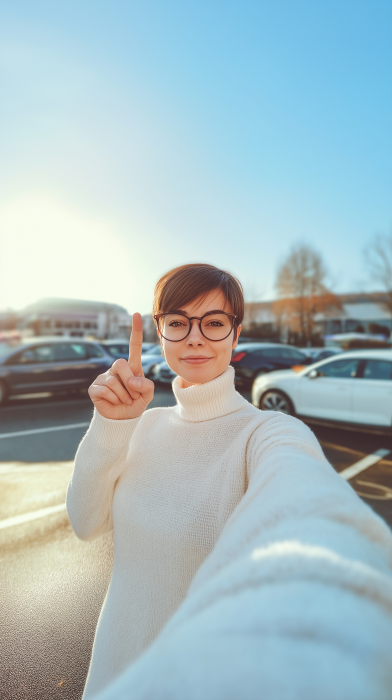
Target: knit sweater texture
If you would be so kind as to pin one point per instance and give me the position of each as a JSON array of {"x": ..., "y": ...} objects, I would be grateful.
[{"x": 243, "y": 504}]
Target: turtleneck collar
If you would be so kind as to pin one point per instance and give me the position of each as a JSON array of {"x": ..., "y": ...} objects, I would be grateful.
[{"x": 211, "y": 400}]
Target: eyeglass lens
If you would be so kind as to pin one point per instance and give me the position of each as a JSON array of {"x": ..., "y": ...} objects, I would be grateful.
[{"x": 215, "y": 326}]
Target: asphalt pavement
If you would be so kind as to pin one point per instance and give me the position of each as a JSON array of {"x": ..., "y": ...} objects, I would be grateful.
[{"x": 52, "y": 584}]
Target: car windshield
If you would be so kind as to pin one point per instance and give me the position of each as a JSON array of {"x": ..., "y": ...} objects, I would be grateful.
[
  {"x": 153, "y": 350},
  {"x": 6, "y": 348}
]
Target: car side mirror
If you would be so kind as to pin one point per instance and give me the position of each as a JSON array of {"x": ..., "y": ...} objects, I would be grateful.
[{"x": 313, "y": 374}]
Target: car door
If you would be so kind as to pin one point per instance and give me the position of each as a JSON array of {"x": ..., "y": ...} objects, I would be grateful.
[
  {"x": 78, "y": 364},
  {"x": 32, "y": 370},
  {"x": 372, "y": 395},
  {"x": 73, "y": 370},
  {"x": 329, "y": 394}
]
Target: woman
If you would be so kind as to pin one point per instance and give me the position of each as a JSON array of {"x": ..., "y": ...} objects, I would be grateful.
[{"x": 167, "y": 480}]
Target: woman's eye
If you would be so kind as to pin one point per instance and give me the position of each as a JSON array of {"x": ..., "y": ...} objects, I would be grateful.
[
  {"x": 215, "y": 324},
  {"x": 176, "y": 324}
]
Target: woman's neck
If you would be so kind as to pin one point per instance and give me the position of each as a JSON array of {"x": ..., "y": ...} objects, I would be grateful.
[{"x": 199, "y": 402}]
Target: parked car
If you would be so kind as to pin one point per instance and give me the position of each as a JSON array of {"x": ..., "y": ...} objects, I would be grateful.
[
  {"x": 163, "y": 373},
  {"x": 151, "y": 359},
  {"x": 49, "y": 365},
  {"x": 353, "y": 389},
  {"x": 251, "y": 359},
  {"x": 120, "y": 348},
  {"x": 317, "y": 354}
]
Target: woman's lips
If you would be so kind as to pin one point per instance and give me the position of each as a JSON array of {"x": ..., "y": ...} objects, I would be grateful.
[{"x": 197, "y": 360}]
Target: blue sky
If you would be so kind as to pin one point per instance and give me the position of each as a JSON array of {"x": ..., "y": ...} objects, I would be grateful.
[{"x": 137, "y": 136}]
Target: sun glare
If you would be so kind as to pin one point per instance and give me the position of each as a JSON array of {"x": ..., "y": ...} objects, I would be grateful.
[{"x": 51, "y": 249}]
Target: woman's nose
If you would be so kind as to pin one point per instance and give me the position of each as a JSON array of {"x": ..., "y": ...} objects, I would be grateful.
[{"x": 195, "y": 337}]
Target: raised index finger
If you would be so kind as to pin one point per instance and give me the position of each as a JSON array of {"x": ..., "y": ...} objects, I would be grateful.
[{"x": 135, "y": 345}]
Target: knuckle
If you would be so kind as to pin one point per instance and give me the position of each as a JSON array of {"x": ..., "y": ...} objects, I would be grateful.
[{"x": 119, "y": 364}]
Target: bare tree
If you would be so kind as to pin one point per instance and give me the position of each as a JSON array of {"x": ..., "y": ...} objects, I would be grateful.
[
  {"x": 302, "y": 290},
  {"x": 379, "y": 263}
]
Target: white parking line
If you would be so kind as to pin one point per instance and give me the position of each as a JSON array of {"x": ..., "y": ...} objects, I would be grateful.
[
  {"x": 384, "y": 492},
  {"x": 20, "y": 519},
  {"x": 363, "y": 464},
  {"x": 43, "y": 430}
]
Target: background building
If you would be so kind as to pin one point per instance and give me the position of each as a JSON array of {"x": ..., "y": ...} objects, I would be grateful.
[
  {"x": 75, "y": 318},
  {"x": 149, "y": 329},
  {"x": 361, "y": 313}
]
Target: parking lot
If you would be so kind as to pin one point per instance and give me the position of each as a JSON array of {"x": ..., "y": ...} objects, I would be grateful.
[{"x": 52, "y": 584}]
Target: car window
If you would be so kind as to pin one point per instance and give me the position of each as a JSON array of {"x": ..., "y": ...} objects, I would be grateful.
[
  {"x": 377, "y": 369},
  {"x": 118, "y": 349},
  {"x": 291, "y": 354},
  {"x": 323, "y": 355},
  {"x": 40, "y": 353},
  {"x": 340, "y": 369},
  {"x": 94, "y": 351},
  {"x": 271, "y": 353},
  {"x": 280, "y": 352},
  {"x": 68, "y": 352}
]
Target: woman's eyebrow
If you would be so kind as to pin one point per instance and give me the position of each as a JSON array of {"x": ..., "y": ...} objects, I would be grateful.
[
  {"x": 176, "y": 311},
  {"x": 184, "y": 313}
]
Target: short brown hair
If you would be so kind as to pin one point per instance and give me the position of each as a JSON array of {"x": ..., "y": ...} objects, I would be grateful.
[{"x": 184, "y": 284}]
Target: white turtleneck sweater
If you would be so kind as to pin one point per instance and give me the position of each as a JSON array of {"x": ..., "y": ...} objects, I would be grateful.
[{"x": 168, "y": 482}]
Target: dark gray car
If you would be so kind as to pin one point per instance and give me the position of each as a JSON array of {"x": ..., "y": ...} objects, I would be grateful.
[{"x": 49, "y": 365}]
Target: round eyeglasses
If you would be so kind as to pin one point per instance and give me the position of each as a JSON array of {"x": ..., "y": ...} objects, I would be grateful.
[{"x": 215, "y": 325}]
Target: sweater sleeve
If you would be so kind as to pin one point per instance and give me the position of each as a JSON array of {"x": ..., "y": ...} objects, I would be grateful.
[
  {"x": 99, "y": 462},
  {"x": 294, "y": 494}
]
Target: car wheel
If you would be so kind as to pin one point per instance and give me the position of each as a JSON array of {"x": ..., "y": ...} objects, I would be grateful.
[
  {"x": 275, "y": 400},
  {"x": 3, "y": 393}
]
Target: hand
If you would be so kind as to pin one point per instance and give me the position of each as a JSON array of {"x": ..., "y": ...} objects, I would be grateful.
[{"x": 123, "y": 392}]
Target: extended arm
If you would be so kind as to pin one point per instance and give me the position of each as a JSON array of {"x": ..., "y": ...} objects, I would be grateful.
[{"x": 294, "y": 601}]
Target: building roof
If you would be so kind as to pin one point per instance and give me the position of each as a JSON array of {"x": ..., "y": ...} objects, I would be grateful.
[{"x": 76, "y": 306}]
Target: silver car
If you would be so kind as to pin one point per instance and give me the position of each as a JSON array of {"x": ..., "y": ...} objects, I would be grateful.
[
  {"x": 152, "y": 359},
  {"x": 163, "y": 373}
]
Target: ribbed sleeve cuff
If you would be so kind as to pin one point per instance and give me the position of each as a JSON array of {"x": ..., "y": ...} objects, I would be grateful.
[{"x": 113, "y": 434}]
